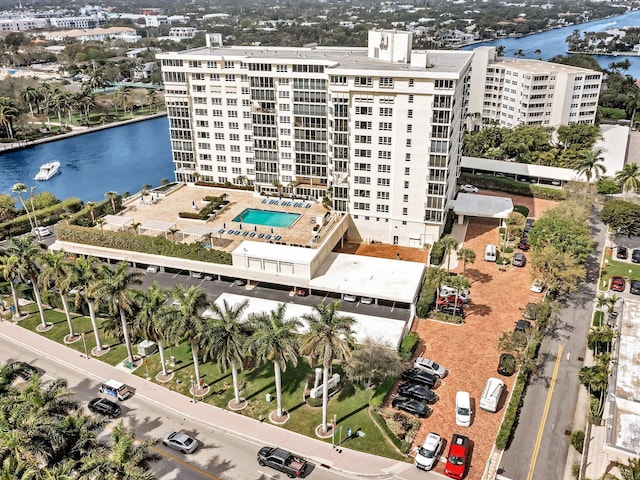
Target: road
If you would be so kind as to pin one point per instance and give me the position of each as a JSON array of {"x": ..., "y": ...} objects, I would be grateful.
[{"x": 569, "y": 332}]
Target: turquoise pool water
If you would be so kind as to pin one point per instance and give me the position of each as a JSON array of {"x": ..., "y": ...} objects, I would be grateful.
[{"x": 267, "y": 217}]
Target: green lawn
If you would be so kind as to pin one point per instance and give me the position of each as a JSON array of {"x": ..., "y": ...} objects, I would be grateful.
[
  {"x": 350, "y": 405},
  {"x": 613, "y": 268}
]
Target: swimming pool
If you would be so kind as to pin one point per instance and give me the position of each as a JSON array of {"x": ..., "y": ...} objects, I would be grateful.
[{"x": 267, "y": 217}]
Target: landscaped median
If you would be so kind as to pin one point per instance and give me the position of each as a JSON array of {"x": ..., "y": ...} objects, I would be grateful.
[{"x": 352, "y": 405}]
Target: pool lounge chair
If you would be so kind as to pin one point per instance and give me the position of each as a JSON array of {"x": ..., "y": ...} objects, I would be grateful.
[
  {"x": 237, "y": 232},
  {"x": 221, "y": 230},
  {"x": 252, "y": 234},
  {"x": 261, "y": 235},
  {"x": 264, "y": 200},
  {"x": 245, "y": 233},
  {"x": 230, "y": 232},
  {"x": 267, "y": 236},
  {"x": 277, "y": 237},
  {"x": 307, "y": 205}
]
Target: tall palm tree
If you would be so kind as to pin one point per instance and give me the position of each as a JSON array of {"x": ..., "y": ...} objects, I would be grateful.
[
  {"x": 275, "y": 340},
  {"x": 115, "y": 291},
  {"x": 112, "y": 197},
  {"x": 330, "y": 337},
  {"x": 449, "y": 244},
  {"x": 58, "y": 271},
  {"x": 10, "y": 271},
  {"x": 89, "y": 272},
  {"x": 125, "y": 458},
  {"x": 20, "y": 188},
  {"x": 629, "y": 177},
  {"x": 187, "y": 324},
  {"x": 151, "y": 98},
  {"x": 590, "y": 165},
  {"x": 633, "y": 101},
  {"x": 466, "y": 255},
  {"x": 8, "y": 113},
  {"x": 538, "y": 53},
  {"x": 29, "y": 254},
  {"x": 630, "y": 471},
  {"x": 30, "y": 95},
  {"x": 172, "y": 231},
  {"x": 151, "y": 320},
  {"x": 226, "y": 337}
]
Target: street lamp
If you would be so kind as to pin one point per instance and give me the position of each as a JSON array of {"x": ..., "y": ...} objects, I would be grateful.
[{"x": 193, "y": 388}]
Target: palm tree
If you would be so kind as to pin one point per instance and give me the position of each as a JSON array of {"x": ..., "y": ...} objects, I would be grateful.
[
  {"x": 630, "y": 471},
  {"x": 466, "y": 255},
  {"x": 275, "y": 340},
  {"x": 459, "y": 282},
  {"x": 187, "y": 324},
  {"x": 629, "y": 177},
  {"x": 173, "y": 230},
  {"x": 209, "y": 238},
  {"x": 8, "y": 113},
  {"x": 590, "y": 165},
  {"x": 538, "y": 53},
  {"x": 91, "y": 206},
  {"x": 226, "y": 338},
  {"x": 30, "y": 95},
  {"x": 518, "y": 53},
  {"x": 115, "y": 290},
  {"x": 33, "y": 208},
  {"x": 633, "y": 101},
  {"x": 57, "y": 270},
  {"x": 602, "y": 301},
  {"x": 151, "y": 317},
  {"x": 134, "y": 226},
  {"x": 124, "y": 459},
  {"x": 112, "y": 197},
  {"x": 330, "y": 337},
  {"x": 100, "y": 222},
  {"x": 20, "y": 188},
  {"x": 151, "y": 98},
  {"x": 500, "y": 50},
  {"x": 449, "y": 244},
  {"x": 10, "y": 270},
  {"x": 89, "y": 272},
  {"x": 28, "y": 253}
]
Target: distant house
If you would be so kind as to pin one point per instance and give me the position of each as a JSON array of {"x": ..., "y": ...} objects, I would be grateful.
[
  {"x": 182, "y": 32},
  {"x": 126, "y": 34}
]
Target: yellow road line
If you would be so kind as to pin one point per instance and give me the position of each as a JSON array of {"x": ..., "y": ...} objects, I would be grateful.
[
  {"x": 178, "y": 460},
  {"x": 545, "y": 413}
]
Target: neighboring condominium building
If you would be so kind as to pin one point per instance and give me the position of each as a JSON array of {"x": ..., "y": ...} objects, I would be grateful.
[
  {"x": 514, "y": 92},
  {"x": 377, "y": 130}
]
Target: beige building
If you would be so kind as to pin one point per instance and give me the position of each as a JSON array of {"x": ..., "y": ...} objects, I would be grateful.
[{"x": 514, "y": 92}]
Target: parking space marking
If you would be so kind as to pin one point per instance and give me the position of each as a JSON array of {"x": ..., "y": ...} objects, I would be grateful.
[
  {"x": 179, "y": 272},
  {"x": 183, "y": 463}
]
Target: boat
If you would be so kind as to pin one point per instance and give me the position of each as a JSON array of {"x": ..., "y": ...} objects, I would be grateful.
[{"x": 47, "y": 171}]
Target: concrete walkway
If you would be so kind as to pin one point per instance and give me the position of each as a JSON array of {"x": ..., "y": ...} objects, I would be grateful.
[{"x": 348, "y": 462}]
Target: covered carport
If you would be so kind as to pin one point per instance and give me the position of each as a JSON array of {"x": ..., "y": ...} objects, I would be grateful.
[
  {"x": 118, "y": 222},
  {"x": 157, "y": 226},
  {"x": 486, "y": 206}
]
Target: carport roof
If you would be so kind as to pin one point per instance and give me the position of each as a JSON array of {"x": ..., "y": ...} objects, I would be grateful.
[
  {"x": 380, "y": 278},
  {"x": 272, "y": 251},
  {"x": 197, "y": 230},
  {"x": 382, "y": 330},
  {"x": 476, "y": 205},
  {"x": 157, "y": 225},
  {"x": 117, "y": 220}
]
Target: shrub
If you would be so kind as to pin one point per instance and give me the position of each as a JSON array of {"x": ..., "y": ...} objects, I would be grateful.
[
  {"x": 509, "y": 421},
  {"x": 522, "y": 210},
  {"x": 426, "y": 300},
  {"x": 45, "y": 216},
  {"x": 607, "y": 186},
  {"x": 192, "y": 215},
  {"x": 577, "y": 440},
  {"x": 409, "y": 345},
  {"x": 140, "y": 243},
  {"x": 597, "y": 318},
  {"x": 437, "y": 254},
  {"x": 314, "y": 402},
  {"x": 509, "y": 185},
  {"x": 445, "y": 317},
  {"x": 448, "y": 225},
  {"x": 383, "y": 425},
  {"x": 83, "y": 216}
]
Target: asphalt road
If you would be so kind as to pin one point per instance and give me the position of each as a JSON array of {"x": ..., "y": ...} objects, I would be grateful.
[{"x": 569, "y": 331}]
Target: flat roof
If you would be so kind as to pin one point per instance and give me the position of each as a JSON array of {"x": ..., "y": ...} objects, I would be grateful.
[
  {"x": 272, "y": 251},
  {"x": 157, "y": 225},
  {"x": 117, "y": 220},
  {"x": 395, "y": 280},
  {"x": 487, "y": 206},
  {"x": 367, "y": 327}
]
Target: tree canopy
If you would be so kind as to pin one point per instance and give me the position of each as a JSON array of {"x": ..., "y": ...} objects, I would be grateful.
[{"x": 622, "y": 216}]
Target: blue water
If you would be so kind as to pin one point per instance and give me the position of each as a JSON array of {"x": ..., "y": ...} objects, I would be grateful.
[
  {"x": 552, "y": 42},
  {"x": 120, "y": 159},
  {"x": 267, "y": 217}
]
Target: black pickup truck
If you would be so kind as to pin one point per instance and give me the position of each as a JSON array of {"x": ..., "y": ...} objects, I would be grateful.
[{"x": 282, "y": 460}]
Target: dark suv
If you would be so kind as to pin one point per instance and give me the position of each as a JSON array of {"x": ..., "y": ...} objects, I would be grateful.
[
  {"x": 635, "y": 256},
  {"x": 415, "y": 375},
  {"x": 24, "y": 370},
  {"x": 622, "y": 253},
  {"x": 507, "y": 364},
  {"x": 635, "y": 287},
  {"x": 104, "y": 407}
]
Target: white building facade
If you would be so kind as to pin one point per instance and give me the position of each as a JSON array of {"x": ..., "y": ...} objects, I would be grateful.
[
  {"x": 377, "y": 130},
  {"x": 515, "y": 92}
]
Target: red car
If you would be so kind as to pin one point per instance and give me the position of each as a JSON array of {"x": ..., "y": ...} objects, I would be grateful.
[
  {"x": 456, "y": 465},
  {"x": 617, "y": 284},
  {"x": 523, "y": 244},
  {"x": 449, "y": 300}
]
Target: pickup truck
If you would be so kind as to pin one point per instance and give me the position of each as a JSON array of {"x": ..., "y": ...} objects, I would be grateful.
[{"x": 282, "y": 460}]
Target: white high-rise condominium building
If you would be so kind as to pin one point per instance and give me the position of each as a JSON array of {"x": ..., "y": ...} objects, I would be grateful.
[
  {"x": 515, "y": 92},
  {"x": 377, "y": 130}
]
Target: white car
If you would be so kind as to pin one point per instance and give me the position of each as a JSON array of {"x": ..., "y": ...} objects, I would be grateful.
[
  {"x": 469, "y": 188},
  {"x": 430, "y": 366},
  {"x": 180, "y": 441},
  {"x": 427, "y": 455},
  {"x": 350, "y": 298},
  {"x": 447, "y": 291},
  {"x": 463, "y": 409},
  {"x": 41, "y": 232},
  {"x": 153, "y": 269},
  {"x": 537, "y": 286}
]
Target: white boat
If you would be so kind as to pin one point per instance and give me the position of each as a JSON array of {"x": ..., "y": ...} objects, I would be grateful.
[{"x": 47, "y": 171}]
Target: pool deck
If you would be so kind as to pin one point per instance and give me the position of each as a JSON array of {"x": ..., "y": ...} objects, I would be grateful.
[{"x": 166, "y": 209}]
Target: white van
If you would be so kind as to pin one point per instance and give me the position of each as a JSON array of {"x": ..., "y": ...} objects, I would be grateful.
[
  {"x": 491, "y": 395},
  {"x": 463, "y": 409},
  {"x": 490, "y": 254},
  {"x": 116, "y": 389}
]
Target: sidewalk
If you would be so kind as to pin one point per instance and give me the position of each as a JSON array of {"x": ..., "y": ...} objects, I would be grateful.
[{"x": 349, "y": 462}]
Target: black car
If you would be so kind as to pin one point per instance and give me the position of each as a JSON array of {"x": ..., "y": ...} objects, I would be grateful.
[
  {"x": 417, "y": 392},
  {"x": 635, "y": 287},
  {"x": 635, "y": 256},
  {"x": 420, "y": 377},
  {"x": 24, "y": 370},
  {"x": 622, "y": 253},
  {"x": 453, "y": 310},
  {"x": 104, "y": 407},
  {"x": 522, "y": 326},
  {"x": 524, "y": 244},
  {"x": 507, "y": 365},
  {"x": 409, "y": 405},
  {"x": 528, "y": 225}
]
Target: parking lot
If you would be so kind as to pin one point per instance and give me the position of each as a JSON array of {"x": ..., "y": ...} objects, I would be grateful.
[{"x": 470, "y": 350}]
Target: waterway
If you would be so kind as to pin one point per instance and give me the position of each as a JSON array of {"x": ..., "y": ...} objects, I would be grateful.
[
  {"x": 119, "y": 159},
  {"x": 553, "y": 42}
]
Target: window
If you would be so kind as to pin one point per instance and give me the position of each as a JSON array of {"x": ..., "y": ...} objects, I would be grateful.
[
  {"x": 444, "y": 84},
  {"x": 410, "y": 113},
  {"x": 363, "y": 139},
  {"x": 406, "y": 184},
  {"x": 364, "y": 81},
  {"x": 406, "y": 171},
  {"x": 364, "y": 110},
  {"x": 383, "y": 196},
  {"x": 408, "y": 142},
  {"x": 405, "y": 211},
  {"x": 360, "y": 206},
  {"x": 411, "y": 83},
  {"x": 361, "y": 152},
  {"x": 338, "y": 79},
  {"x": 386, "y": 112},
  {"x": 384, "y": 168},
  {"x": 219, "y": 136},
  {"x": 363, "y": 125},
  {"x": 386, "y": 82},
  {"x": 409, "y": 128},
  {"x": 405, "y": 198},
  {"x": 385, "y": 126},
  {"x": 384, "y": 155},
  {"x": 384, "y": 182},
  {"x": 382, "y": 208},
  {"x": 407, "y": 157},
  {"x": 410, "y": 98},
  {"x": 362, "y": 180},
  {"x": 384, "y": 140}
]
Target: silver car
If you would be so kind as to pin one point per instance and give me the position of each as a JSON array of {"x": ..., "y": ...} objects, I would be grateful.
[
  {"x": 430, "y": 366},
  {"x": 180, "y": 441}
]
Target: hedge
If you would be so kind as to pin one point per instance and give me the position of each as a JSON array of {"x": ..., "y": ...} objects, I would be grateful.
[
  {"x": 508, "y": 185},
  {"x": 445, "y": 317},
  {"x": 83, "y": 216},
  {"x": 524, "y": 211},
  {"x": 140, "y": 243},
  {"x": 513, "y": 409},
  {"x": 437, "y": 253},
  {"x": 45, "y": 216},
  {"x": 409, "y": 345}
]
